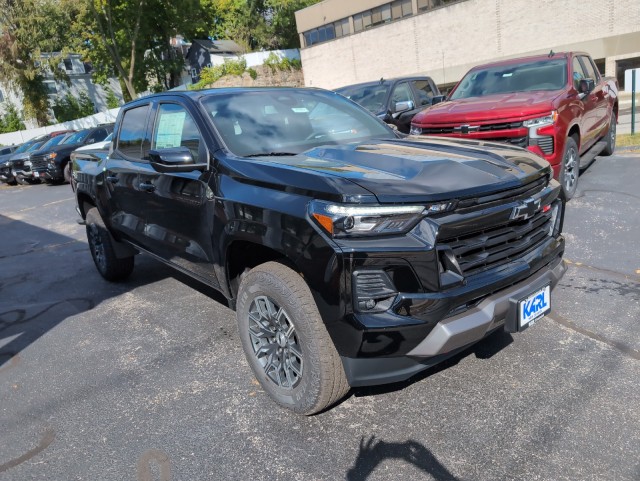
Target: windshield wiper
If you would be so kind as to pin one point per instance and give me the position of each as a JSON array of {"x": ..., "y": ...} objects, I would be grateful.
[{"x": 272, "y": 154}]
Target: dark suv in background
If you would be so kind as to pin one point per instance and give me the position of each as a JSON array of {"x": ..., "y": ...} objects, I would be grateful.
[
  {"x": 7, "y": 166},
  {"x": 52, "y": 165},
  {"x": 396, "y": 100}
]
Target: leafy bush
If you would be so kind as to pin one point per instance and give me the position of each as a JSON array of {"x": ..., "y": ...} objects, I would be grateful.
[
  {"x": 111, "y": 99},
  {"x": 209, "y": 75},
  {"x": 252, "y": 73},
  {"x": 71, "y": 108},
  {"x": 275, "y": 62},
  {"x": 11, "y": 121}
]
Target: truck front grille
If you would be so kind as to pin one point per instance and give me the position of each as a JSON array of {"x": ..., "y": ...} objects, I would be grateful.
[
  {"x": 38, "y": 162},
  {"x": 491, "y": 247}
]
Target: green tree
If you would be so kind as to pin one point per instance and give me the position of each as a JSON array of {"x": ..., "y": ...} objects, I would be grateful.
[
  {"x": 71, "y": 108},
  {"x": 255, "y": 24},
  {"x": 283, "y": 21},
  {"x": 27, "y": 29},
  {"x": 132, "y": 38},
  {"x": 11, "y": 121}
]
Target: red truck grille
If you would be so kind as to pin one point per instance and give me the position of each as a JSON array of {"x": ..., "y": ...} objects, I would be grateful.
[{"x": 464, "y": 129}]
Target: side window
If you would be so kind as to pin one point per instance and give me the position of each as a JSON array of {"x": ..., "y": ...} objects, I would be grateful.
[
  {"x": 99, "y": 135},
  {"x": 425, "y": 93},
  {"x": 589, "y": 68},
  {"x": 578, "y": 73},
  {"x": 132, "y": 131},
  {"x": 176, "y": 128},
  {"x": 401, "y": 93}
]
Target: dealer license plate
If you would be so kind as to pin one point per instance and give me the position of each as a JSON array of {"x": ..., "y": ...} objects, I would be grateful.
[{"x": 534, "y": 307}]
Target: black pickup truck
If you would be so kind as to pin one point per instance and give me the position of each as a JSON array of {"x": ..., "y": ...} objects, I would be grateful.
[{"x": 351, "y": 256}]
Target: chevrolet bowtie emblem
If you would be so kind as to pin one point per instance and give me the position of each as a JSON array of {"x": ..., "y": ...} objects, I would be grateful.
[
  {"x": 527, "y": 209},
  {"x": 465, "y": 129}
]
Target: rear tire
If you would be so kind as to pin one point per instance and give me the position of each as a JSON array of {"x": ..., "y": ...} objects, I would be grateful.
[
  {"x": 109, "y": 266},
  {"x": 286, "y": 342},
  {"x": 570, "y": 168},
  {"x": 610, "y": 137}
]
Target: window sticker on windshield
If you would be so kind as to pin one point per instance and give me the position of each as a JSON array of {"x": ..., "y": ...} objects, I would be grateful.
[
  {"x": 169, "y": 133},
  {"x": 300, "y": 109}
]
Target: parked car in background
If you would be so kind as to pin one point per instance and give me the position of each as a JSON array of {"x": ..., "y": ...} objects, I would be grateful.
[
  {"x": 88, "y": 153},
  {"x": 351, "y": 255},
  {"x": 7, "y": 166},
  {"x": 52, "y": 165},
  {"x": 8, "y": 149},
  {"x": 556, "y": 105},
  {"x": 22, "y": 167},
  {"x": 396, "y": 100}
]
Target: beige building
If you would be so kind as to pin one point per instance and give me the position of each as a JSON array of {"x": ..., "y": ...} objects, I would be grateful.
[{"x": 351, "y": 41}]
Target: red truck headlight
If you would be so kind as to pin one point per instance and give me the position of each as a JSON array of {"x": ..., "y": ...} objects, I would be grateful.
[{"x": 549, "y": 119}]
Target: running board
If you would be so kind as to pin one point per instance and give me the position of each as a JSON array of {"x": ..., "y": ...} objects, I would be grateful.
[{"x": 589, "y": 157}]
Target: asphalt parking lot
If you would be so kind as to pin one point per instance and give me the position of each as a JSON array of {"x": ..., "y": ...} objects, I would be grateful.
[{"x": 146, "y": 380}]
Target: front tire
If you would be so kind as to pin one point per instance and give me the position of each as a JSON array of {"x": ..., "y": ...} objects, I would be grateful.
[
  {"x": 67, "y": 172},
  {"x": 570, "y": 168},
  {"x": 286, "y": 342},
  {"x": 610, "y": 137},
  {"x": 102, "y": 249}
]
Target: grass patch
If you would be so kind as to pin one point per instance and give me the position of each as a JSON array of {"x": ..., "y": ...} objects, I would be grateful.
[{"x": 627, "y": 140}]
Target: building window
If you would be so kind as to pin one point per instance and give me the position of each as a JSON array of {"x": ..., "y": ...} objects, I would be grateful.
[
  {"x": 68, "y": 65},
  {"x": 327, "y": 32}
]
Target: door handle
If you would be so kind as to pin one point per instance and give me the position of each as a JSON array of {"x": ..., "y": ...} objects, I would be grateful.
[
  {"x": 112, "y": 179},
  {"x": 147, "y": 187}
]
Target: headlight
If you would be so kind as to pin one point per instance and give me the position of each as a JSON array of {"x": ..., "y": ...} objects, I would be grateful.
[
  {"x": 356, "y": 220},
  {"x": 415, "y": 130},
  {"x": 51, "y": 155},
  {"x": 540, "y": 121}
]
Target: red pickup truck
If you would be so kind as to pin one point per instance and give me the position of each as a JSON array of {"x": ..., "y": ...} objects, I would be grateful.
[{"x": 556, "y": 105}]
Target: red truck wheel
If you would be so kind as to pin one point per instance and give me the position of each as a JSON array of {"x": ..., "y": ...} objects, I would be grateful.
[
  {"x": 610, "y": 138},
  {"x": 570, "y": 169}
]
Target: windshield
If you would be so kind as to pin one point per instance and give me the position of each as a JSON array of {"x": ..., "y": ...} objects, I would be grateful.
[
  {"x": 35, "y": 146},
  {"x": 24, "y": 147},
  {"x": 372, "y": 96},
  {"x": 77, "y": 138},
  {"x": 525, "y": 77},
  {"x": 53, "y": 141},
  {"x": 289, "y": 121}
]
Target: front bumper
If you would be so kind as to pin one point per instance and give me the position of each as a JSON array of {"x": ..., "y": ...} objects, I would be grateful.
[{"x": 452, "y": 334}]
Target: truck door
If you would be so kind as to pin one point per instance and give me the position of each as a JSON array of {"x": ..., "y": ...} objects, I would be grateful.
[
  {"x": 179, "y": 205},
  {"x": 403, "y": 94},
  {"x": 600, "y": 115},
  {"x": 589, "y": 105},
  {"x": 122, "y": 195}
]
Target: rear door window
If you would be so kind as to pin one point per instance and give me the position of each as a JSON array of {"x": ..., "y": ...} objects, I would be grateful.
[{"x": 132, "y": 131}]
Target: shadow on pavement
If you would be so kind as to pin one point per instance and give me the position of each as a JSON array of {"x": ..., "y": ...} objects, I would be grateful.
[
  {"x": 374, "y": 452},
  {"x": 46, "y": 277},
  {"x": 484, "y": 349}
]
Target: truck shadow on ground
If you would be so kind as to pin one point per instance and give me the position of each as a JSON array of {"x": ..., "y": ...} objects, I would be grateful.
[
  {"x": 484, "y": 349},
  {"x": 47, "y": 277},
  {"x": 374, "y": 452}
]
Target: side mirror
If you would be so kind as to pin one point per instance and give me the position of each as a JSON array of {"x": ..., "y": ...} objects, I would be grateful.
[
  {"x": 436, "y": 99},
  {"x": 174, "y": 159},
  {"x": 90, "y": 141},
  {"x": 403, "y": 106},
  {"x": 587, "y": 85}
]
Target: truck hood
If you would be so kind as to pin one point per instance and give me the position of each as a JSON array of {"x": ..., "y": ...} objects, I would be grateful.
[
  {"x": 489, "y": 107},
  {"x": 417, "y": 170}
]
